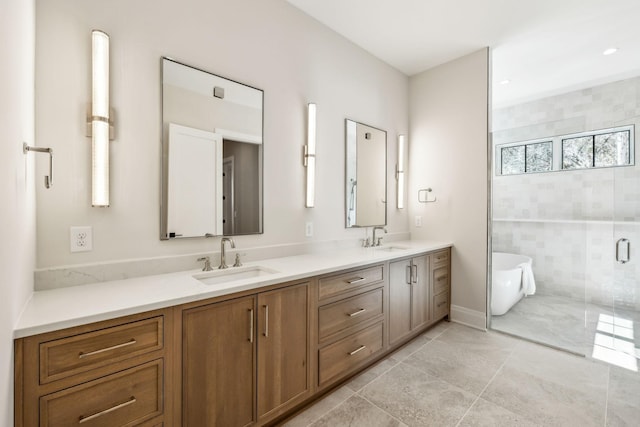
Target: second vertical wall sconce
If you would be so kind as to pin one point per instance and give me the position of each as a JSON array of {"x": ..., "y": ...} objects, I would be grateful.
[
  {"x": 310, "y": 156},
  {"x": 400, "y": 173},
  {"x": 99, "y": 123}
]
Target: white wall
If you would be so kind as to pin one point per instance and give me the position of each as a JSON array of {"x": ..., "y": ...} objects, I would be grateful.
[
  {"x": 17, "y": 210},
  {"x": 448, "y": 152},
  {"x": 267, "y": 44}
]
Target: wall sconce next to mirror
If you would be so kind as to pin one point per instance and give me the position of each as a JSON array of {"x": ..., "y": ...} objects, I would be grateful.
[
  {"x": 99, "y": 122},
  {"x": 400, "y": 174},
  {"x": 310, "y": 156}
]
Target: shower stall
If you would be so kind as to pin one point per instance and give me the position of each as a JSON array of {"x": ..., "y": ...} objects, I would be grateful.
[{"x": 566, "y": 193}]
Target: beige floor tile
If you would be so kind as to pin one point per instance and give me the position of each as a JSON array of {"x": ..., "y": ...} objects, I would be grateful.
[
  {"x": 361, "y": 380},
  {"x": 357, "y": 412},
  {"x": 560, "y": 367},
  {"x": 456, "y": 364},
  {"x": 623, "y": 408},
  {"x": 547, "y": 402},
  {"x": 418, "y": 399},
  {"x": 320, "y": 408},
  {"x": 487, "y": 414}
]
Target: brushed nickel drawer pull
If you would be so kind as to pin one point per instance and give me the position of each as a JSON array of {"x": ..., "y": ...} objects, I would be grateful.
[
  {"x": 251, "y": 325},
  {"x": 409, "y": 274},
  {"x": 102, "y": 350},
  {"x": 106, "y": 411},
  {"x": 266, "y": 321},
  {"x": 356, "y": 313},
  {"x": 362, "y": 347},
  {"x": 358, "y": 280}
]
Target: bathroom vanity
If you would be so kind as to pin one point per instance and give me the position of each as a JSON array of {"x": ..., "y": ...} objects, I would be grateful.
[{"x": 248, "y": 349}]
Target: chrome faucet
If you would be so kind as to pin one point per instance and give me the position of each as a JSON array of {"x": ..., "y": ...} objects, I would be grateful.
[
  {"x": 223, "y": 264},
  {"x": 377, "y": 242},
  {"x": 207, "y": 263}
]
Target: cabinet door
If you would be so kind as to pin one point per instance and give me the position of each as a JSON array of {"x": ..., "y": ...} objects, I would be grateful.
[
  {"x": 283, "y": 348},
  {"x": 399, "y": 300},
  {"x": 420, "y": 301},
  {"x": 218, "y": 364}
]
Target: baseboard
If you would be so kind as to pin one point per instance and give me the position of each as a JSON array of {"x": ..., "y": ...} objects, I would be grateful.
[{"x": 467, "y": 317}]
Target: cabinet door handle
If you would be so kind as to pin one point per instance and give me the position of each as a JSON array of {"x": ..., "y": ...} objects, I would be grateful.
[
  {"x": 358, "y": 280},
  {"x": 266, "y": 321},
  {"x": 102, "y": 350},
  {"x": 356, "y": 313},
  {"x": 441, "y": 304},
  {"x": 415, "y": 276},
  {"x": 106, "y": 411},
  {"x": 362, "y": 347},
  {"x": 251, "y": 325},
  {"x": 409, "y": 275}
]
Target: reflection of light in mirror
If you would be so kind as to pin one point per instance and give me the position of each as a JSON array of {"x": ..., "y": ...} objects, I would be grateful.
[{"x": 614, "y": 342}]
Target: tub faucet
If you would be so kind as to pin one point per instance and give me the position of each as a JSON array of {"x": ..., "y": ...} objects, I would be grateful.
[
  {"x": 377, "y": 242},
  {"x": 223, "y": 264}
]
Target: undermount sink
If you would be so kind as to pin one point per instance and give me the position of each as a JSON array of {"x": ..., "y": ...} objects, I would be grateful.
[
  {"x": 391, "y": 248},
  {"x": 232, "y": 274}
]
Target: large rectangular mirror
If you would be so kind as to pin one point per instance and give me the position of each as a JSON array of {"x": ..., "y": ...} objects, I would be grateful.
[
  {"x": 366, "y": 171},
  {"x": 212, "y": 152}
]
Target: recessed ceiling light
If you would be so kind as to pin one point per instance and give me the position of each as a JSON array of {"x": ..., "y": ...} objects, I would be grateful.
[
  {"x": 610, "y": 51},
  {"x": 505, "y": 82}
]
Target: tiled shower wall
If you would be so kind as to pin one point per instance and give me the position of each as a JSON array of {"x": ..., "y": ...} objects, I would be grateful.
[{"x": 569, "y": 221}]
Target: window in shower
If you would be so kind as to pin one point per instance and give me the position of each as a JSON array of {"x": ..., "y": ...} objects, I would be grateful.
[
  {"x": 585, "y": 150},
  {"x": 597, "y": 150},
  {"x": 534, "y": 157}
]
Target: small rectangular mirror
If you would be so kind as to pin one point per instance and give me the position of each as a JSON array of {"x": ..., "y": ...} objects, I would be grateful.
[
  {"x": 366, "y": 172},
  {"x": 212, "y": 152}
]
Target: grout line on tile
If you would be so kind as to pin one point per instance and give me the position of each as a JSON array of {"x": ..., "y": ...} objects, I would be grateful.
[
  {"x": 486, "y": 386},
  {"x": 395, "y": 418},
  {"x": 322, "y": 414}
]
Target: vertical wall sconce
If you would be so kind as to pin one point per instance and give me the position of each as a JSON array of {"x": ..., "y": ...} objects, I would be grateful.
[
  {"x": 99, "y": 123},
  {"x": 310, "y": 156},
  {"x": 400, "y": 171}
]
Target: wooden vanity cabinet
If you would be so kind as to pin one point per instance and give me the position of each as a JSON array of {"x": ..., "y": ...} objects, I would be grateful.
[
  {"x": 245, "y": 361},
  {"x": 111, "y": 373},
  {"x": 218, "y": 364},
  {"x": 350, "y": 322},
  {"x": 409, "y": 297}
]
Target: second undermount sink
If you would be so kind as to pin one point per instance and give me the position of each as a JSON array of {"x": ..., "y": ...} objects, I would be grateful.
[
  {"x": 232, "y": 274},
  {"x": 390, "y": 248}
]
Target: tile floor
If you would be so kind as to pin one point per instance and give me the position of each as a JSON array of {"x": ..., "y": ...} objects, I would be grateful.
[
  {"x": 453, "y": 375},
  {"x": 588, "y": 329}
]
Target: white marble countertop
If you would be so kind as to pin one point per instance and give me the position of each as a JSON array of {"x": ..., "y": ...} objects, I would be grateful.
[{"x": 61, "y": 308}]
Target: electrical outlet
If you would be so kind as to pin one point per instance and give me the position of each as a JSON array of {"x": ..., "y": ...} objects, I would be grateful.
[
  {"x": 418, "y": 221},
  {"x": 308, "y": 229},
  {"x": 81, "y": 239}
]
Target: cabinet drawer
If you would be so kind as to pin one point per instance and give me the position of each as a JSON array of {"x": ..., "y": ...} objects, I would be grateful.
[
  {"x": 440, "y": 305},
  {"x": 440, "y": 280},
  {"x": 341, "y": 356},
  {"x": 69, "y": 356},
  {"x": 335, "y": 285},
  {"x": 123, "y": 399},
  {"x": 343, "y": 314},
  {"x": 440, "y": 258}
]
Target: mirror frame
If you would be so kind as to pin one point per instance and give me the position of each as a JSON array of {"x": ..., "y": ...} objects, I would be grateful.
[{"x": 164, "y": 179}]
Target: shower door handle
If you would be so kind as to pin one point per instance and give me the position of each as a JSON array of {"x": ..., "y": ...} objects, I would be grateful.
[{"x": 627, "y": 254}]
